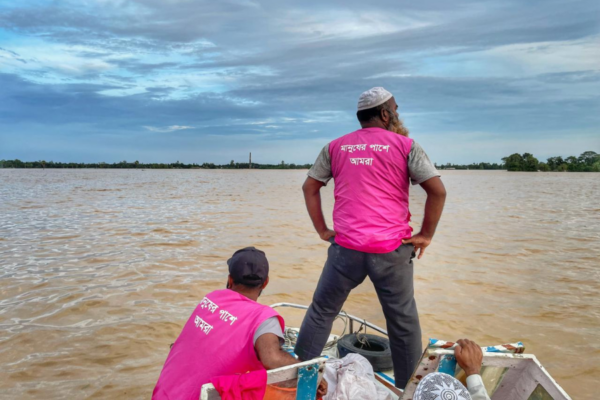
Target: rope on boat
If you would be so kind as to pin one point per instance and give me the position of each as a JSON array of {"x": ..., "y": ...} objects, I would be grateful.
[{"x": 362, "y": 337}]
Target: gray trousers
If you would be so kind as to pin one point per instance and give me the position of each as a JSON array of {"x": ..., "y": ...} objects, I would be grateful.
[{"x": 392, "y": 276}]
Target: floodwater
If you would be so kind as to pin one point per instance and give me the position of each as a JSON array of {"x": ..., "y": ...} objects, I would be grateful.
[{"x": 100, "y": 269}]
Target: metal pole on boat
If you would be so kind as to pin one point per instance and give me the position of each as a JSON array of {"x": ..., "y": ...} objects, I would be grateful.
[{"x": 344, "y": 314}]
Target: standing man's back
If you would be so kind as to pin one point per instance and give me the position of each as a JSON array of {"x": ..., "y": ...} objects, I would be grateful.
[
  {"x": 371, "y": 189},
  {"x": 372, "y": 169}
]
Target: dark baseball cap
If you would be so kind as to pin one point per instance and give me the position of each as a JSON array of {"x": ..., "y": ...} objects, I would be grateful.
[{"x": 249, "y": 266}]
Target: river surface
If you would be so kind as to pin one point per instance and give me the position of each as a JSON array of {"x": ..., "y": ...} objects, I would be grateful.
[{"x": 99, "y": 269}]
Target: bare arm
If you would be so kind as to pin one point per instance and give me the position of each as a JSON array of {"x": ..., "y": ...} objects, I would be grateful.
[
  {"x": 436, "y": 197},
  {"x": 270, "y": 353},
  {"x": 272, "y": 356},
  {"x": 312, "y": 197}
]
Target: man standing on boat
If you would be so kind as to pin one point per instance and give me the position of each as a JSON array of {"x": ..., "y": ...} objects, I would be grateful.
[{"x": 372, "y": 169}]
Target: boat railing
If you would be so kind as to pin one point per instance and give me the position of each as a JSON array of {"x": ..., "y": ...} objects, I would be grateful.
[{"x": 351, "y": 318}]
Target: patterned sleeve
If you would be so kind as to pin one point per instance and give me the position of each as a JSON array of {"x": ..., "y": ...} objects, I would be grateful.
[
  {"x": 321, "y": 169},
  {"x": 420, "y": 168}
]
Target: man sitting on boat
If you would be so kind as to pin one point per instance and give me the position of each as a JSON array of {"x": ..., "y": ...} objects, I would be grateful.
[
  {"x": 228, "y": 333},
  {"x": 372, "y": 169}
]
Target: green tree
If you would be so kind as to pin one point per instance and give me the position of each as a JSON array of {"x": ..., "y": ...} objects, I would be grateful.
[
  {"x": 589, "y": 158},
  {"x": 514, "y": 162},
  {"x": 530, "y": 163},
  {"x": 543, "y": 167},
  {"x": 555, "y": 162},
  {"x": 573, "y": 163}
]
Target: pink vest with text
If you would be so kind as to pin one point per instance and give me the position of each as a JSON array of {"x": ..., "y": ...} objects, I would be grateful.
[
  {"x": 218, "y": 339},
  {"x": 370, "y": 171}
]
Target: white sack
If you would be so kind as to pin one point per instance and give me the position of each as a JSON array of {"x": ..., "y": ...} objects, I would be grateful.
[{"x": 352, "y": 378}]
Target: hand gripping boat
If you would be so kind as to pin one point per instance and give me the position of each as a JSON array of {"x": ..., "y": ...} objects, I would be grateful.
[{"x": 508, "y": 373}]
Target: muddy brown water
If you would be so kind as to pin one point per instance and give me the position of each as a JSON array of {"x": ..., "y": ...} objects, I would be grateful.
[{"x": 100, "y": 269}]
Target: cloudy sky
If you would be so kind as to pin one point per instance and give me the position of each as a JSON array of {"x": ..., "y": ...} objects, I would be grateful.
[{"x": 209, "y": 81}]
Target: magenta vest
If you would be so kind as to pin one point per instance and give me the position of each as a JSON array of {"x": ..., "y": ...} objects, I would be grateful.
[
  {"x": 370, "y": 171},
  {"x": 218, "y": 339}
]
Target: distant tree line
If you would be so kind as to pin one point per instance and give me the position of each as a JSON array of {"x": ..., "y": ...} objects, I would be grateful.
[
  {"x": 481, "y": 165},
  {"x": 137, "y": 164},
  {"x": 588, "y": 161}
]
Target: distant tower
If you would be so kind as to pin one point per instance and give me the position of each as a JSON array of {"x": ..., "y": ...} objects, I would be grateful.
[{"x": 250, "y": 161}]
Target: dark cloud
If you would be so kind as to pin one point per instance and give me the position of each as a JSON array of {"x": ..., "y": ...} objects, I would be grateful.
[
  {"x": 137, "y": 67},
  {"x": 571, "y": 77},
  {"x": 149, "y": 24},
  {"x": 67, "y": 104}
]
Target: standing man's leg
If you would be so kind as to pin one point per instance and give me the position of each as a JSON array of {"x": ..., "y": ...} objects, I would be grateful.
[
  {"x": 343, "y": 271},
  {"x": 392, "y": 276}
]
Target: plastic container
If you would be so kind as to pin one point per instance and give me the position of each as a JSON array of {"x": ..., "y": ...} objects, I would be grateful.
[{"x": 279, "y": 393}]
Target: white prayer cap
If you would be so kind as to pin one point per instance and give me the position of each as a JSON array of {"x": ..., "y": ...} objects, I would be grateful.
[
  {"x": 373, "y": 97},
  {"x": 440, "y": 386}
]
